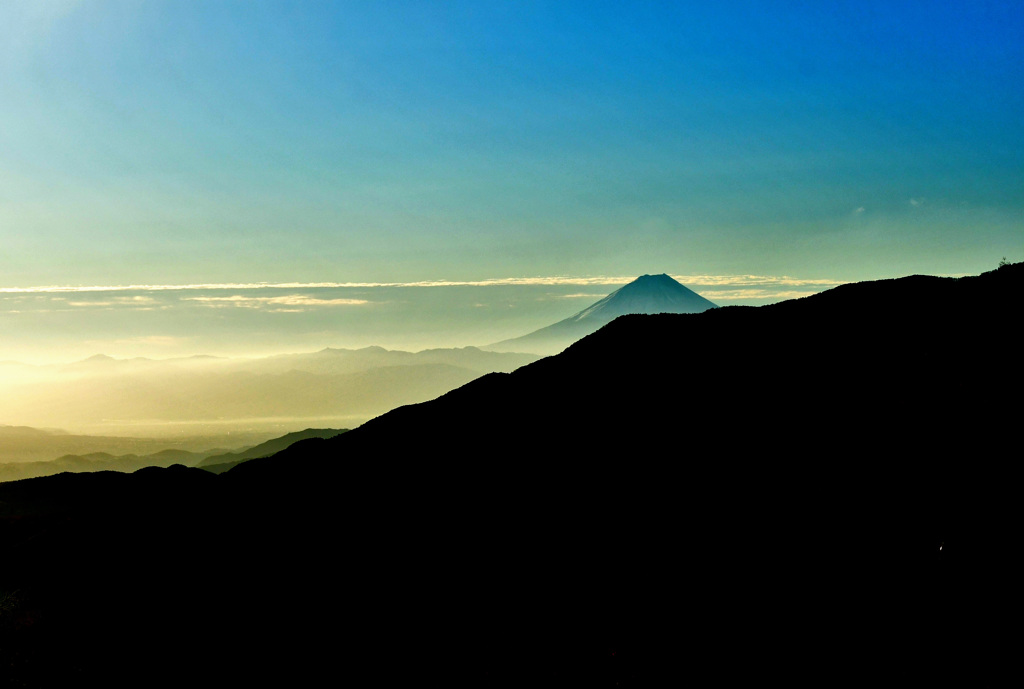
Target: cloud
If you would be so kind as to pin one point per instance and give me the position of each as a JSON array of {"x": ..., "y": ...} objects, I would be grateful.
[
  {"x": 247, "y": 286},
  {"x": 266, "y": 297},
  {"x": 752, "y": 294},
  {"x": 552, "y": 281},
  {"x": 286, "y": 301},
  {"x": 749, "y": 280},
  {"x": 136, "y": 301}
]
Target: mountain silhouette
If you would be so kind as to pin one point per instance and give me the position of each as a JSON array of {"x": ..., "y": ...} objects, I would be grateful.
[
  {"x": 220, "y": 463},
  {"x": 648, "y": 294},
  {"x": 822, "y": 489}
]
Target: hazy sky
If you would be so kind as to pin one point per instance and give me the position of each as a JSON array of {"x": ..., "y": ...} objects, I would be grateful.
[{"x": 179, "y": 143}]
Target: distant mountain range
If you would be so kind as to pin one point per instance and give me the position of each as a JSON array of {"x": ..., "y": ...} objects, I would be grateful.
[
  {"x": 648, "y": 294},
  {"x": 330, "y": 387},
  {"x": 823, "y": 490},
  {"x": 24, "y": 444},
  {"x": 43, "y": 443}
]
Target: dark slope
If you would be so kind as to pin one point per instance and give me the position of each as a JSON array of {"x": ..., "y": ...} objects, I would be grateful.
[
  {"x": 222, "y": 462},
  {"x": 821, "y": 491},
  {"x": 647, "y": 294}
]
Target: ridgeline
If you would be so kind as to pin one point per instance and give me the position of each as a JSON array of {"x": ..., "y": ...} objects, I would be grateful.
[{"x": 821, "y": 490}]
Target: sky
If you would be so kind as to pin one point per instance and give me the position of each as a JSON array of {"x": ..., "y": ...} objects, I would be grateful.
[{"x": 250, "y": 177}]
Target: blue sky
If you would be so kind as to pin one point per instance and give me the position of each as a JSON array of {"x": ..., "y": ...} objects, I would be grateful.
[{"x": 174, "y": 143}]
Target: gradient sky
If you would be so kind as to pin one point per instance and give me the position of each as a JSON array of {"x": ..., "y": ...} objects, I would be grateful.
[{"x": 180, "y": 143}]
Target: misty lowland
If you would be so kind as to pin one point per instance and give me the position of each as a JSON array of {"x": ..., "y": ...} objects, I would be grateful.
[{"x": 821, "y": 489}]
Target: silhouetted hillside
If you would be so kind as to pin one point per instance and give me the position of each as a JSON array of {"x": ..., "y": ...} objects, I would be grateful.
[
  {"x": 821, "y": 491},
  {"x": 220, "y": 463}
]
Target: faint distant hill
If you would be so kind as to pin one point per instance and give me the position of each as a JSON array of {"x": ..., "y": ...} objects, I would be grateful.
[
  {"x": 97, "y": 461},
  {"x": 648, "y": 294},
  {"x": 339, "y": 361},
  {"x": 222, "y": 462},
  {"x": 216, "y": 460},
  {"x": 24, "y": 444},
  {"x": 318, "y": 389}
]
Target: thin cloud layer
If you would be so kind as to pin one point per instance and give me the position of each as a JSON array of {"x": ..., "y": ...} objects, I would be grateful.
[
  {"x": 553, "y": 281},
  {"x": 137, "y": 301},
  {"x": 294, "y": 300}
]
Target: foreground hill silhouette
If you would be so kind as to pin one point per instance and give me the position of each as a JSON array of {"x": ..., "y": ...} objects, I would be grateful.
[
  {"x": 220, "y": 463},
  {"x": 821, "y": 491},
  {"x": 647, "y": 294}
]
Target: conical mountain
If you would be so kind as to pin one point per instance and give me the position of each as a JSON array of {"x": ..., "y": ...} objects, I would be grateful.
[{"x": 647, "y": 294}]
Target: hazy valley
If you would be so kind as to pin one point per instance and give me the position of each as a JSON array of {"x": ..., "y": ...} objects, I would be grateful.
[{"x": 208, "y": 396}]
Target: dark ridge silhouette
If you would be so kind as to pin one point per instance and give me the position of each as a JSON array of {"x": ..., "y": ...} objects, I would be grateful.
[
  {"x": 821, "y": 491},
  {"x": 220, "y": 463},
  {"x": 647, "y": 294}
]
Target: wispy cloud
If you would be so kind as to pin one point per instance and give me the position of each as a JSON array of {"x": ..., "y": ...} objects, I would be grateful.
[
  {"x": 136, "y": 301},
  {"x": 750, "y": 280},
  {"x": 554, "y": 281},
  {"x": 246, "y": 286},
  {"x": 294, "y": 301},
  {"x": 761, "y": 288},
  {"x": 756, "y": 294}
]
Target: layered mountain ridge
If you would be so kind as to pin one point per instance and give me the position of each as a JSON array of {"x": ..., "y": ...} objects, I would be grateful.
[{"x": 822, "y": 489}]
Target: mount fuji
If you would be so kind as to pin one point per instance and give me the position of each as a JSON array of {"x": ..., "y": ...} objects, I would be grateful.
[{"x": 647, "y": 294}]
